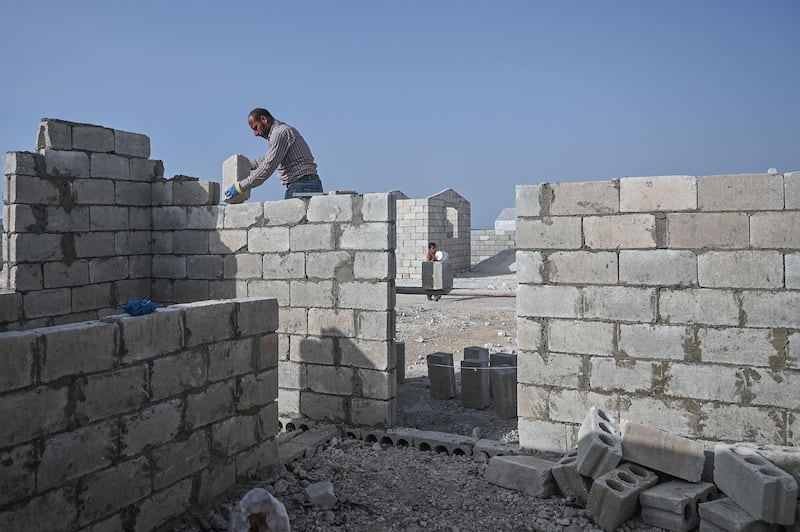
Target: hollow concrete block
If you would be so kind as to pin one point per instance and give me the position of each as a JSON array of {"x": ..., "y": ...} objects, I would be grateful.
[
  {"x": 437, "y": 275},
  {"x": 475, "y": 383},
  {"x": 528, "y": 474},
  {"x": 673, "y": 505},
  {"x": 570, "y": 482},
  {"x": 235, "y": 168},
  {"x": 599, "y": 444},
  {"x": 764, "y": 490},
  {"x": 659, "y": 450},
  {"x": 724, "y": 515},
  {"x": 614, "y": 496},
  {"x": 504, "y": 384},
  {"x": 442, "y": 375}
]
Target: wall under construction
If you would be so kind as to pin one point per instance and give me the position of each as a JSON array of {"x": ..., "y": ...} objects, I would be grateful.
[{"x": 672, "y": 301}]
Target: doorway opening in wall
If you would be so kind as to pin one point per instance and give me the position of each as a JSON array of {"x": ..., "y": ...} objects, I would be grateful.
[{"x": 457, "y": 321}]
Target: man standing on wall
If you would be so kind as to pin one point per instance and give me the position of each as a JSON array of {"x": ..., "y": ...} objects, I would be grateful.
[{"x": 287, "y": 152}]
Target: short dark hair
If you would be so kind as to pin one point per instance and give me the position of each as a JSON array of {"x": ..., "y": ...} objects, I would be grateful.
[
  {"x": 431, "y": 245},
  {"x": 258, "y": 112}
]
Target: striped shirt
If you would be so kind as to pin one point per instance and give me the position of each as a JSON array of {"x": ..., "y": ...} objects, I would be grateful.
[{"x": 288, "y": 153}]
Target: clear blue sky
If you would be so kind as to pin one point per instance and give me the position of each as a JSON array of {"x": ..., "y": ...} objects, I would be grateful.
[{"x": 420, "y": 96}]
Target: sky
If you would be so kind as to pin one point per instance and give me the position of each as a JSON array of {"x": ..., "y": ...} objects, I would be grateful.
[{"x": 420, "y": 96}]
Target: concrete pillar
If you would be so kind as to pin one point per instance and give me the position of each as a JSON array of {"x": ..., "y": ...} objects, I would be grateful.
[{"x": 504, "y": 384}]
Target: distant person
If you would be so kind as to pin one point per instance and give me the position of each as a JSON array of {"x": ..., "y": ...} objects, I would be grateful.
[
  {"x": 434, "y": 254},
  {"x": 288, "y": 153},
  {"x": 431, "y": 251}
]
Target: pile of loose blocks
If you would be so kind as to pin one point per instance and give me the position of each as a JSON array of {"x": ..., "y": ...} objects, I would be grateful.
[{"x": 621, "y": 468}]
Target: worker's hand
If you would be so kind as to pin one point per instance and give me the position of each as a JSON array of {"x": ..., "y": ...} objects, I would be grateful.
[{"x": 233, "y": 191}]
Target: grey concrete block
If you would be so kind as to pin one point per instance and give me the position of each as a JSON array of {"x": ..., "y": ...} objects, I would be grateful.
[
  {"x": 580, "y": 267},
  {"x": 549, "y": 301},
  {"x": 109, "y": 165},
  {"x": 400, "y": 357},
  {"x": 76, "y": 453},
  {"x": 442, "y": 375},
  {"x": 765, "y": 491},
  {"x": 162, "y": 506},
  {"x": 19, "y": 350},
  {"x": 211, "y": 404},
  {"x": 92, "y": 138},
  {"x": 330, "y": 380},
  {"x": 740, "y": 269},
  {"x": 131, "y": 144},
  {"x": 151, "y": 426},
  {"x": 79, "y": 348},
  {"x": 373, "y": 412},
  {"x": 114, "y": 488},
  {"x": 230, "y": 358},
  {"x": 485, "y": 449},
  {"x": 708, "y": 230},
  {"x": 743, "y": 192},
  {"x": 627, "y": 231},
  {"x": 443, "y": 442},
  {"x": 527, "y": 200},
  {"x": 661, "y": 267},
  {"x": 661, "y": 193},
  {"x": 284, "y": 212},
  {"x": 437, "y": 275},
  {"x": 329, "y": 264},
  {"x": 54, "y": 134},
  {"x": 599, "y": 444},
  {"x": 570, "y": 482},
  {"x": 17, "y": 474},
  {"x": 775, "y": 230},
  {"x": 309, "y": 237},
  {"x": 108, "y": 394},
  {"x": 146, "y": 170},
  {"x": 195, "y": 192},
  {"x": 475, "y": 383},
  {"x": 32, "y": 190},
  {"x": 662, "y": 451},
  {"x": 330, "y": 208},
  {"x": 45, "y": 512},
  {"x": 23, "y": 163},
  {"x": 373, "y": 236},
  {"x": 724, "y": 515},
  {"x": 374, "y": 265},
  {"x": 504, "y": 388},
  {"x": 233, "y": 435},
  {"x": 596, "y": 197},
  {"x": 549, "y": 233},
  {"x": 60, "y": 163},
  {"x": 673, "y": 505},
  {"x": 528, "y": 474},
  {"x": 614, "y": 496},
  {"x": 41, "y": 303},
  {"x": 378, "y": 207}
]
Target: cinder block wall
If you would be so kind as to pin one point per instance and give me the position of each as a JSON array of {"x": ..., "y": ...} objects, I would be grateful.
[
  {"x": 673, "y": 301},
  {"x": 443, "y": 218},
  {"x": 77, "y": 239},
  {"x": 122, "y": 423},
  {"x": 329, "y": 261},
  {"x": 91, "y": 223},
  {"x": 486, "y": 243}
]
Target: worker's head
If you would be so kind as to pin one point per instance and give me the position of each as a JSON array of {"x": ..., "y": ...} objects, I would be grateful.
[
  {"x": 260, "y": 121},
  {"x": 432, "y": 246}
]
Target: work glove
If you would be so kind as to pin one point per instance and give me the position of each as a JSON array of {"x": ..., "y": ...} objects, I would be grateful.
[
  {"x": 139, "y": 307},
  {"x": 233, "y": 191}
]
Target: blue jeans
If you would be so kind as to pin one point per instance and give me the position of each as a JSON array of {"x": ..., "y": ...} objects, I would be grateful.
[{"x": 305, "y": 185}]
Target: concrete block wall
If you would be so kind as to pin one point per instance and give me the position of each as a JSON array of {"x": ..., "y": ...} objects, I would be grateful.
[
  {"x": 443, "y": 218},
  {"x": 78, "y": 235},
  {"x": 672, "y": 301},
  {"x": 486, "y": 243},
  {"x": 125, "y": 422},
  {"x": 91, "y": 224},
  {"x": 329, "y": 261}
]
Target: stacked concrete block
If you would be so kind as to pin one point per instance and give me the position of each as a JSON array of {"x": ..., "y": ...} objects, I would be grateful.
[
  {"x": 614, "y": 496},
  {"x": 673, "y": 505},
  {"x": 475, "y": 379},
  {"x": 168, "y": 388},
  {"x": 671, "y": 287},
  {"x": 662, "y": 451},
  {"x": 765, "y": 491},
  {"x": 599, "y": 444},
  {"x": 442, "y": 375},
  {"x": 527, "y": 474}
]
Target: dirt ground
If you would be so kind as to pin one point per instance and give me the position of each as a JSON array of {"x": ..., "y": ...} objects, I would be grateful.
[
  {"x": 379, "y": 487},
  {"x": 449, "y": 325}
]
